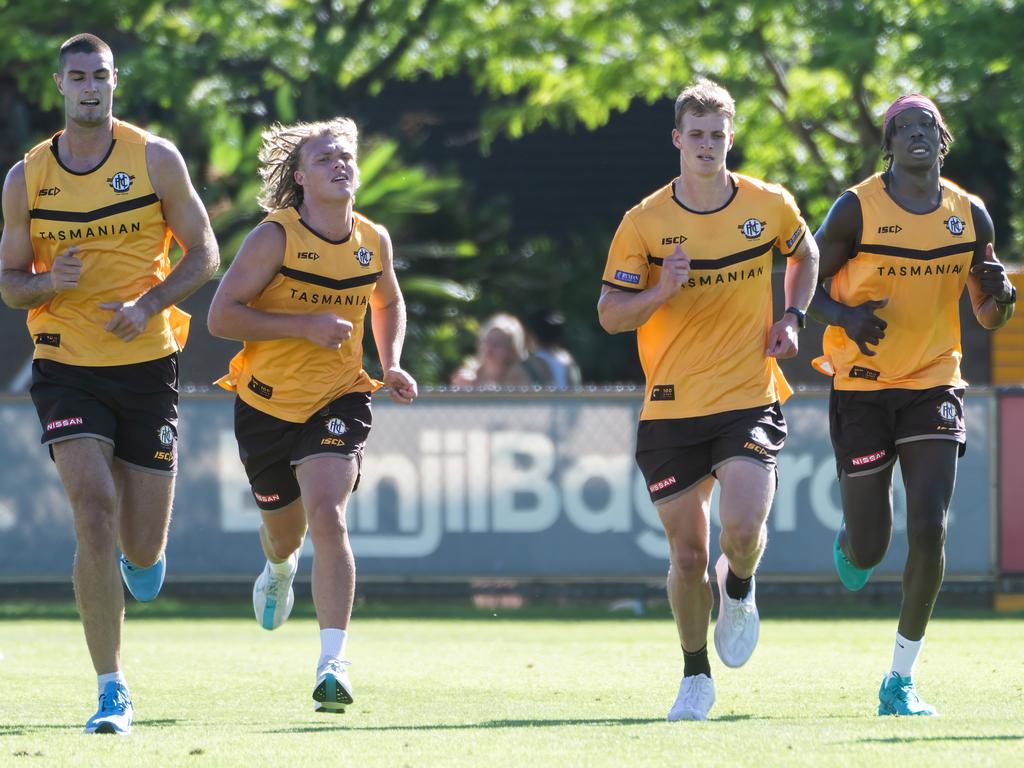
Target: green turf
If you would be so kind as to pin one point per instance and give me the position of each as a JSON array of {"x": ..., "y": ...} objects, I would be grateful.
[{"x": 487, "y": 690}]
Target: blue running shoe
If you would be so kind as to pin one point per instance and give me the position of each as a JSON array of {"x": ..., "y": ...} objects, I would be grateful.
[
  {"x": 898, "y": 696},
  {"x": 852, "y": 577},
  {"x": 115, "y": 712},
  {"x": 144, "y": 583}
]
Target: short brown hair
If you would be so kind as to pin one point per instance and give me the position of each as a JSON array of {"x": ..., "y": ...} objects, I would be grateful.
[
  {"x": 83, "y": 43},
  {"x": 703, "y": 97},
  {"x": 279, "y": 157}
]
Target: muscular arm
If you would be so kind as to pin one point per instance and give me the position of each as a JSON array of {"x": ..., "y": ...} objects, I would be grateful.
[
  {"x": 188, "y": 222},
  {"x": 987, "y": 280},
  {"x": 387, "y": 317},
  {"x": 802, "y": 274},
  {"x": 801, "y": 277},
  {"x": 836, "y": 239},
  {"x": 20, "y": 286},
  {"x": 186, "y": 216},
  {"x": 257, "y": 263},
  {"x": 837, "y": 242}
]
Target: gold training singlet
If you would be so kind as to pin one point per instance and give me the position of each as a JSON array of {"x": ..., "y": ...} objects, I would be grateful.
[
  {"x": 704, "y": 351},
  {"x": 291, "y": 379},
  {"x": 920, "y": 263},
  {"x": 115, "y": 218}
]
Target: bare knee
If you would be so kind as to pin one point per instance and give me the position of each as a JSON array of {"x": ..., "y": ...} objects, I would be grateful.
[
  {"x": 926, "y": 534},
  {"x": 326, "y": 521},
  {"x": 744, "y": 538},
  {"x": 283, "y": 544},
  {"x": 689, "y": 563},
  {"x": 95, "y": 516}
]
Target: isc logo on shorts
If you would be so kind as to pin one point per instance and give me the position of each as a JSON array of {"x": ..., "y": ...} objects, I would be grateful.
[
  {"x": 163, "y": 455},
  {"x": 336, "y": 441},
  {"x": 751, "y": 446}
]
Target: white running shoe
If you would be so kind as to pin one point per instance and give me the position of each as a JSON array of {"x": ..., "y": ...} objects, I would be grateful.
[
  {"x": 738, "y": 625},
  {"x": 272, "y": 594},
  {"x": 695, "y": 699},
  {"x": 333, "y": 690}
]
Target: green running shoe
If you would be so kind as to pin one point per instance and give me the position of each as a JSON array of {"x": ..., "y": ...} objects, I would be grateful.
[{"x": 853, "y": 578}]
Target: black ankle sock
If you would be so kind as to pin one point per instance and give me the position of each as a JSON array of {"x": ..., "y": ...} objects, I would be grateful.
[
  {"x": 696, "y": 663},
  {"x": 736, "y": 587}
]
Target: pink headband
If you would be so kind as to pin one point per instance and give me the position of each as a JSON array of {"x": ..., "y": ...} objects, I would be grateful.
[{"x": 909, "y": 101}]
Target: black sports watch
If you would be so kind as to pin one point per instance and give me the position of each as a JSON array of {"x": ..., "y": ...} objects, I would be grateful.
[
  {"x": 1013, "y": 296},
  {"x": 800, "y": 315}
]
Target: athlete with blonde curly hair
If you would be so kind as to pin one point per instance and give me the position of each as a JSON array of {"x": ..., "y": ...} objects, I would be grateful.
[{"x": 296, "y": 295}]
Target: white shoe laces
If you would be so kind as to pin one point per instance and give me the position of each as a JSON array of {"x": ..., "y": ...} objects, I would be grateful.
[{"x": 336, "y": 667}]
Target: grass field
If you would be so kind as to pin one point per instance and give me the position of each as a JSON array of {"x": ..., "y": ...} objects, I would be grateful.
[{"x": 524, "y": 688}]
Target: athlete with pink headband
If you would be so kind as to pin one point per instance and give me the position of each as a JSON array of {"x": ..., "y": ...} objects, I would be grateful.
[{"x": 897, "y": 250}]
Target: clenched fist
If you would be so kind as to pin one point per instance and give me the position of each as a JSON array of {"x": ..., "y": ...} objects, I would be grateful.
[{"x": 66, "y": 270}]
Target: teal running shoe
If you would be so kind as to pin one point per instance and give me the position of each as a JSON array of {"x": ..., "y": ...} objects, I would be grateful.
[
  {"x": 898, "y": 696},
  {"x": 333, "y": 690},
  {"x": 144, "y": 583},
  {"x": 852, "y": 577},
  {"x": 115, "y": 711}
]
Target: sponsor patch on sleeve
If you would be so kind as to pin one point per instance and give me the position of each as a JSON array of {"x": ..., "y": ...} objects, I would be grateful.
[
  {"x": 627, "y": 277},
  {"x": 796, "y": 236}
]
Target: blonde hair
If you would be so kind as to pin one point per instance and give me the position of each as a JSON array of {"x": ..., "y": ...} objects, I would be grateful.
[
  {"x": 702, "y": 97},
  {"x": 280, "y": 153},
  {"x": 511, "y": 328}
]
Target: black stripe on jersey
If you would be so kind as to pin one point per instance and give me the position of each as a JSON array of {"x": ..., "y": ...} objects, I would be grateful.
[
  {"x": 99, "y": 213},
  {"x": 327, "y": 282},
  {"x": 622, "y": 287},
  {"x": 921, "y": 254},
  {"x": 725, "y": 261}
]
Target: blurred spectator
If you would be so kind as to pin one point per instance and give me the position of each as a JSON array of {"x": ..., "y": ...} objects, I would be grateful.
[
  {"x": 501, "y": 354},
  {"x": 549, "y": 362}
]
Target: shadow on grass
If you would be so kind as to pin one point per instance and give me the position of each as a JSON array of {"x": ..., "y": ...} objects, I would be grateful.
[
  {"x": 610, "y": 721},
  {"x": 27, "y": 729},
  {"x": 906, "y": 739}
]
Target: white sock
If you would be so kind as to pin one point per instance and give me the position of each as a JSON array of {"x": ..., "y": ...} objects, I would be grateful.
[
  {"x": 904, "y": 655},
  {"x": 110, "y": 677},
  {"x": 332, "y": 644},
  {"x": 284, "y": 568}
]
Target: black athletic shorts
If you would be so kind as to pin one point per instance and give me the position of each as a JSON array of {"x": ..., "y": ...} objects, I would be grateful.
[
  {"x": 676, "y": 454},
  {"x": 271, "y": 448},
  {"x": 867, "y": 427},
  {"x": 133, "y": 407}
]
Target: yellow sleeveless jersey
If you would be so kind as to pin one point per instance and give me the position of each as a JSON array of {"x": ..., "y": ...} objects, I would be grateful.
[
  {"x": 291, "y": 379},
  {"x": 115, "y": 218},
  {"x": 704, "y": 351},
  {"x": 920, "y": 263}
]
